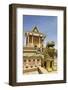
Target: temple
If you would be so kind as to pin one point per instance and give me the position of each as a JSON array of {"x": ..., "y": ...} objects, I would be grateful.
[{"x": 37, "y": 57}]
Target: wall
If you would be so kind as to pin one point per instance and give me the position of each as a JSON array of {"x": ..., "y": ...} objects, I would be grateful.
[{"x": 4, "y": 44}]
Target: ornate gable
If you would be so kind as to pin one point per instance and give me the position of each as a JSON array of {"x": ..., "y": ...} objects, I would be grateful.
[{"x": 35, "y": 30}]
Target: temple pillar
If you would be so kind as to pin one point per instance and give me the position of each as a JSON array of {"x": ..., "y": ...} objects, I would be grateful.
[
  {"x": 39, "y": 41},
  {"x": 28, "y": 40},
  {"x": 32, "y": 40}
]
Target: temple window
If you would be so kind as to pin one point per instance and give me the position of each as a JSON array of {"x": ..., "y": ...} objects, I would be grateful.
[
  {"x": 37, "y": 59},
  {"x": 34, "y": 60},
  {"x": 24, "y": 60},
  {"x": 35, "y": 46},
  {"x": 29, "y": 60},
  {"x": 26, "y": 66},
  {"x": 31, "y": 66}
]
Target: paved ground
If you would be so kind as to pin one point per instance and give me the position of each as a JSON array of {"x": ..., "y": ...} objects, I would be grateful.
[{"x": 40, "y": 70}]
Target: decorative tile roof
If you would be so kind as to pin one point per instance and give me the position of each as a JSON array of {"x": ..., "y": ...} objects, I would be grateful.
[{"x": 35, "y": 31}]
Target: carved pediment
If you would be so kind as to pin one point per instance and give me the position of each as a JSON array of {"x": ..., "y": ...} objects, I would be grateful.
[{"x": 35, "y": 30}]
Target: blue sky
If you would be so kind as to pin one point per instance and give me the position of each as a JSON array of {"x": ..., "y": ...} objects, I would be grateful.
[{"x": 45, "y": 24}]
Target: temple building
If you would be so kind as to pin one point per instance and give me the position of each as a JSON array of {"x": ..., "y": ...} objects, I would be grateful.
[{"x": 33, "y": 53}]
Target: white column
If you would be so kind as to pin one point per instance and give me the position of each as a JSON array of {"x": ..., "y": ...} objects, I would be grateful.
[
  {"x": 28, "y": 40},
  {"x": 32, "y": 40}
]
